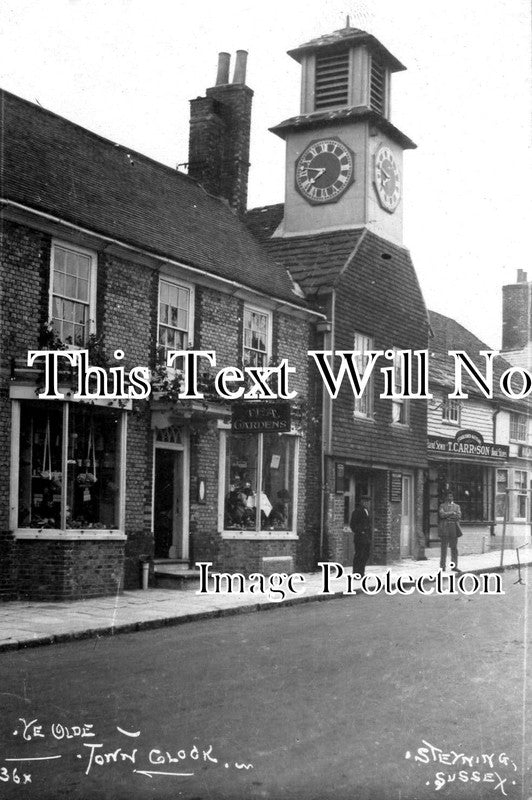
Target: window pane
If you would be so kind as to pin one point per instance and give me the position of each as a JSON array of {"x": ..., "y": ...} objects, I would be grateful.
[
  {"x": 174, "y": 314},
  {"x": 255, "y": 338},
  {"x": 240, "y": 482},
  {"x": 362, "y": 344},
  {"x": 93, "y": 469},
  {"x": 71, "y": 289},
  {"x": 40, "y": 474},
  {"x": 276, "y": 499}
]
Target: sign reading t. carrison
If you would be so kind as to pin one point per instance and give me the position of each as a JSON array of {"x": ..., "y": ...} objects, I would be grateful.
[
  {"x": 261, "y": 417},
  {"x": 467, "y": 443}
]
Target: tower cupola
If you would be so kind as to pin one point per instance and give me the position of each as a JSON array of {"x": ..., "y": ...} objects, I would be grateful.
[
  {"x": 347, "y": 68},
  {"x": 344, "y": 157}
]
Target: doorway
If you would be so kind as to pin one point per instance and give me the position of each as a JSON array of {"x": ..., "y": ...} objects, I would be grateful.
[
  {"x": 168, "y": 504},
  {"x": 407, "y": 515}
]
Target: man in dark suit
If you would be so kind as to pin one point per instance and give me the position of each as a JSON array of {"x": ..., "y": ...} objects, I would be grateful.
[{"x": 360, "y": 524}]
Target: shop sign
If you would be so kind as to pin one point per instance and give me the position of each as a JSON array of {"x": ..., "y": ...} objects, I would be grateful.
[
  {"x": 260, "y": 417},
  {"x": 467, "y": 443},
  {"x": 396, "y": 487}
]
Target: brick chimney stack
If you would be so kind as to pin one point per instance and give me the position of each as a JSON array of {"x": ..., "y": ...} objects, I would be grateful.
[
  {"x": 220, "y": 127},
  {"x": 517, "y": 313}
]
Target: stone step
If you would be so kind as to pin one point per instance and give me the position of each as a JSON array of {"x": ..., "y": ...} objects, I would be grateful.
[{"x": 175, "y": 576}]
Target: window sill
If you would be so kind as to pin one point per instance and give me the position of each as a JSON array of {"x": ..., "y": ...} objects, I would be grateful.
[
  {"x": 363, "y": 418},
  {"x": 73, "y": 535},
  {"x": 264, "y": 536}
]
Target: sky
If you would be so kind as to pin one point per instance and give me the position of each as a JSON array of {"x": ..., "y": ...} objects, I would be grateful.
[{"x": 127, "y": 69}]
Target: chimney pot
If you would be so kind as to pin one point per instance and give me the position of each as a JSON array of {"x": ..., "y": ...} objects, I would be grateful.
[
  {"x": 239, "y": 75},
  {"x": 522, "y": 276},
  {"x": 222, "y": 77}
]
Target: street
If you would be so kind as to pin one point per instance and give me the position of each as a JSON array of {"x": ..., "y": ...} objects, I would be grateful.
[{"x": 363, "y": 698}]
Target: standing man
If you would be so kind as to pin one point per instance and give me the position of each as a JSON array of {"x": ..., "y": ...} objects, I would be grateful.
[
  {"x": 360, "y": 524},
  {"x": 449, "y": 529}
]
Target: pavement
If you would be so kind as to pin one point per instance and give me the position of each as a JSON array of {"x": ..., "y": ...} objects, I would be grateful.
[{"x": 31, "y": 624}]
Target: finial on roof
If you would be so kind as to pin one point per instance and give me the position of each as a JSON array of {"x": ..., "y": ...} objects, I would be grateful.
[{"x": 347, "y": 21}]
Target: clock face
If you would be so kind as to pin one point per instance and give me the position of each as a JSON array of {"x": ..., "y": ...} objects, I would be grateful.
[
  {"x": 387, "y": 179},
  {"x": 324, "y": 171}
]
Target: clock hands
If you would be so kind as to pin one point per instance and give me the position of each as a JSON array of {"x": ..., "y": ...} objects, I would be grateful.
[{"x": 319, "y": 170}]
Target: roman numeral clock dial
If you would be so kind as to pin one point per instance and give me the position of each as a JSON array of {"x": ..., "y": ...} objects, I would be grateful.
[
  {"x": 324, "y": 171},
  {"x": 386, "y": 179}
]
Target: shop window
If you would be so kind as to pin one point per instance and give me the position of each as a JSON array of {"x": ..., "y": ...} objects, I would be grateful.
[
  {"x": 450, "y": 411},
  {"x": 518, "y": 427},
  {"x": 520, "y": 492},
  {"x": 501, "y": 497},
  {"x": 400, "y": 408},
  {"x": 69, "y": 466},
  {"x": 364, "y": 404},
  {"x": 257, "y": 337},
  {"x": 471, "y": 488},
  {"x": 260, "y": 482},
  {"x": 72, "y": 293},
  {"x": 175, "y": 316}
]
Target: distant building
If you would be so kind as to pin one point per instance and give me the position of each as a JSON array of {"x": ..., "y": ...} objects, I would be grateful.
[{"x": 478, "y": 448}]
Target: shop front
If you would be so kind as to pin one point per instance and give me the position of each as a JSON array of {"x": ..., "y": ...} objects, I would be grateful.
[
  {"x": 67, "y": 496},
  {"x": 468, "y": 466}
]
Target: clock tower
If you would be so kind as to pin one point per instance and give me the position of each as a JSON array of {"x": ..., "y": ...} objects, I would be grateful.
[{"x": 344, "y": 158}]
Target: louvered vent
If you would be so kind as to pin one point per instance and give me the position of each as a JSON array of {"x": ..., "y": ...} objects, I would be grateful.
[
  {"x": 377, "y": 89},
  {"x": 332, "y": 80}
]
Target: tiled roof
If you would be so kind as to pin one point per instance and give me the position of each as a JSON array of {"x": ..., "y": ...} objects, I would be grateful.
[
  {"x": 316, "y": 261},
  {"x": 52, "y": 165},
  {"x": 450, "y": 335}
]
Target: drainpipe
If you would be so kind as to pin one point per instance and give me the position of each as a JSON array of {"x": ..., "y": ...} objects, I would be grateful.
[{"x": 327, "y": 329}]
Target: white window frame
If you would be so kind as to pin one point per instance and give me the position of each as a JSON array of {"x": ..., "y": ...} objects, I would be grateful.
[
  {"x": 505, "y": 492},
  {"x": 399, "y": 407},
  {"x": 266, "y": 313},
  {"x": 520, "y": 490},
  {"x": 451, "y": 411},
  {"x": 255, "y": 535},
  {"x": 363, "y": 343},
  {"x": 519, "y": 420},
  {"x": 188, "y": 287},
  {"x": 63, "y": 532},
  {"x": 91, "y": 327}
]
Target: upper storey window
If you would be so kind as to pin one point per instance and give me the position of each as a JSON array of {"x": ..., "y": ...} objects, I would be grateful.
[
  {"x": 377, "y": 87},
  {"x": 175, "y": 304},
  {"x": 72, "y": 293},
  {"x": 332, "y": 80},
  {"x": 257, "y": 337}
]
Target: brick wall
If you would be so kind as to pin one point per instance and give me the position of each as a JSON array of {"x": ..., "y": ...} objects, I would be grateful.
[
  {"x": 127, "y": 302},
  {"x": 62, "y": 570},
  {"x": 24, "y": 267},
  {"x": 219, "y": 140}
]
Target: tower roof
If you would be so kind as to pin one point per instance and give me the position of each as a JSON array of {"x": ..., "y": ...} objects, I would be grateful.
[{"x": 347, "y": 36}]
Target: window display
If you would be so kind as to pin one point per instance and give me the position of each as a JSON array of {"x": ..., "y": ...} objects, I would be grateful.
[
  {"x": 259, "y": 488},
  {"x": 69, "y": 473}
]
